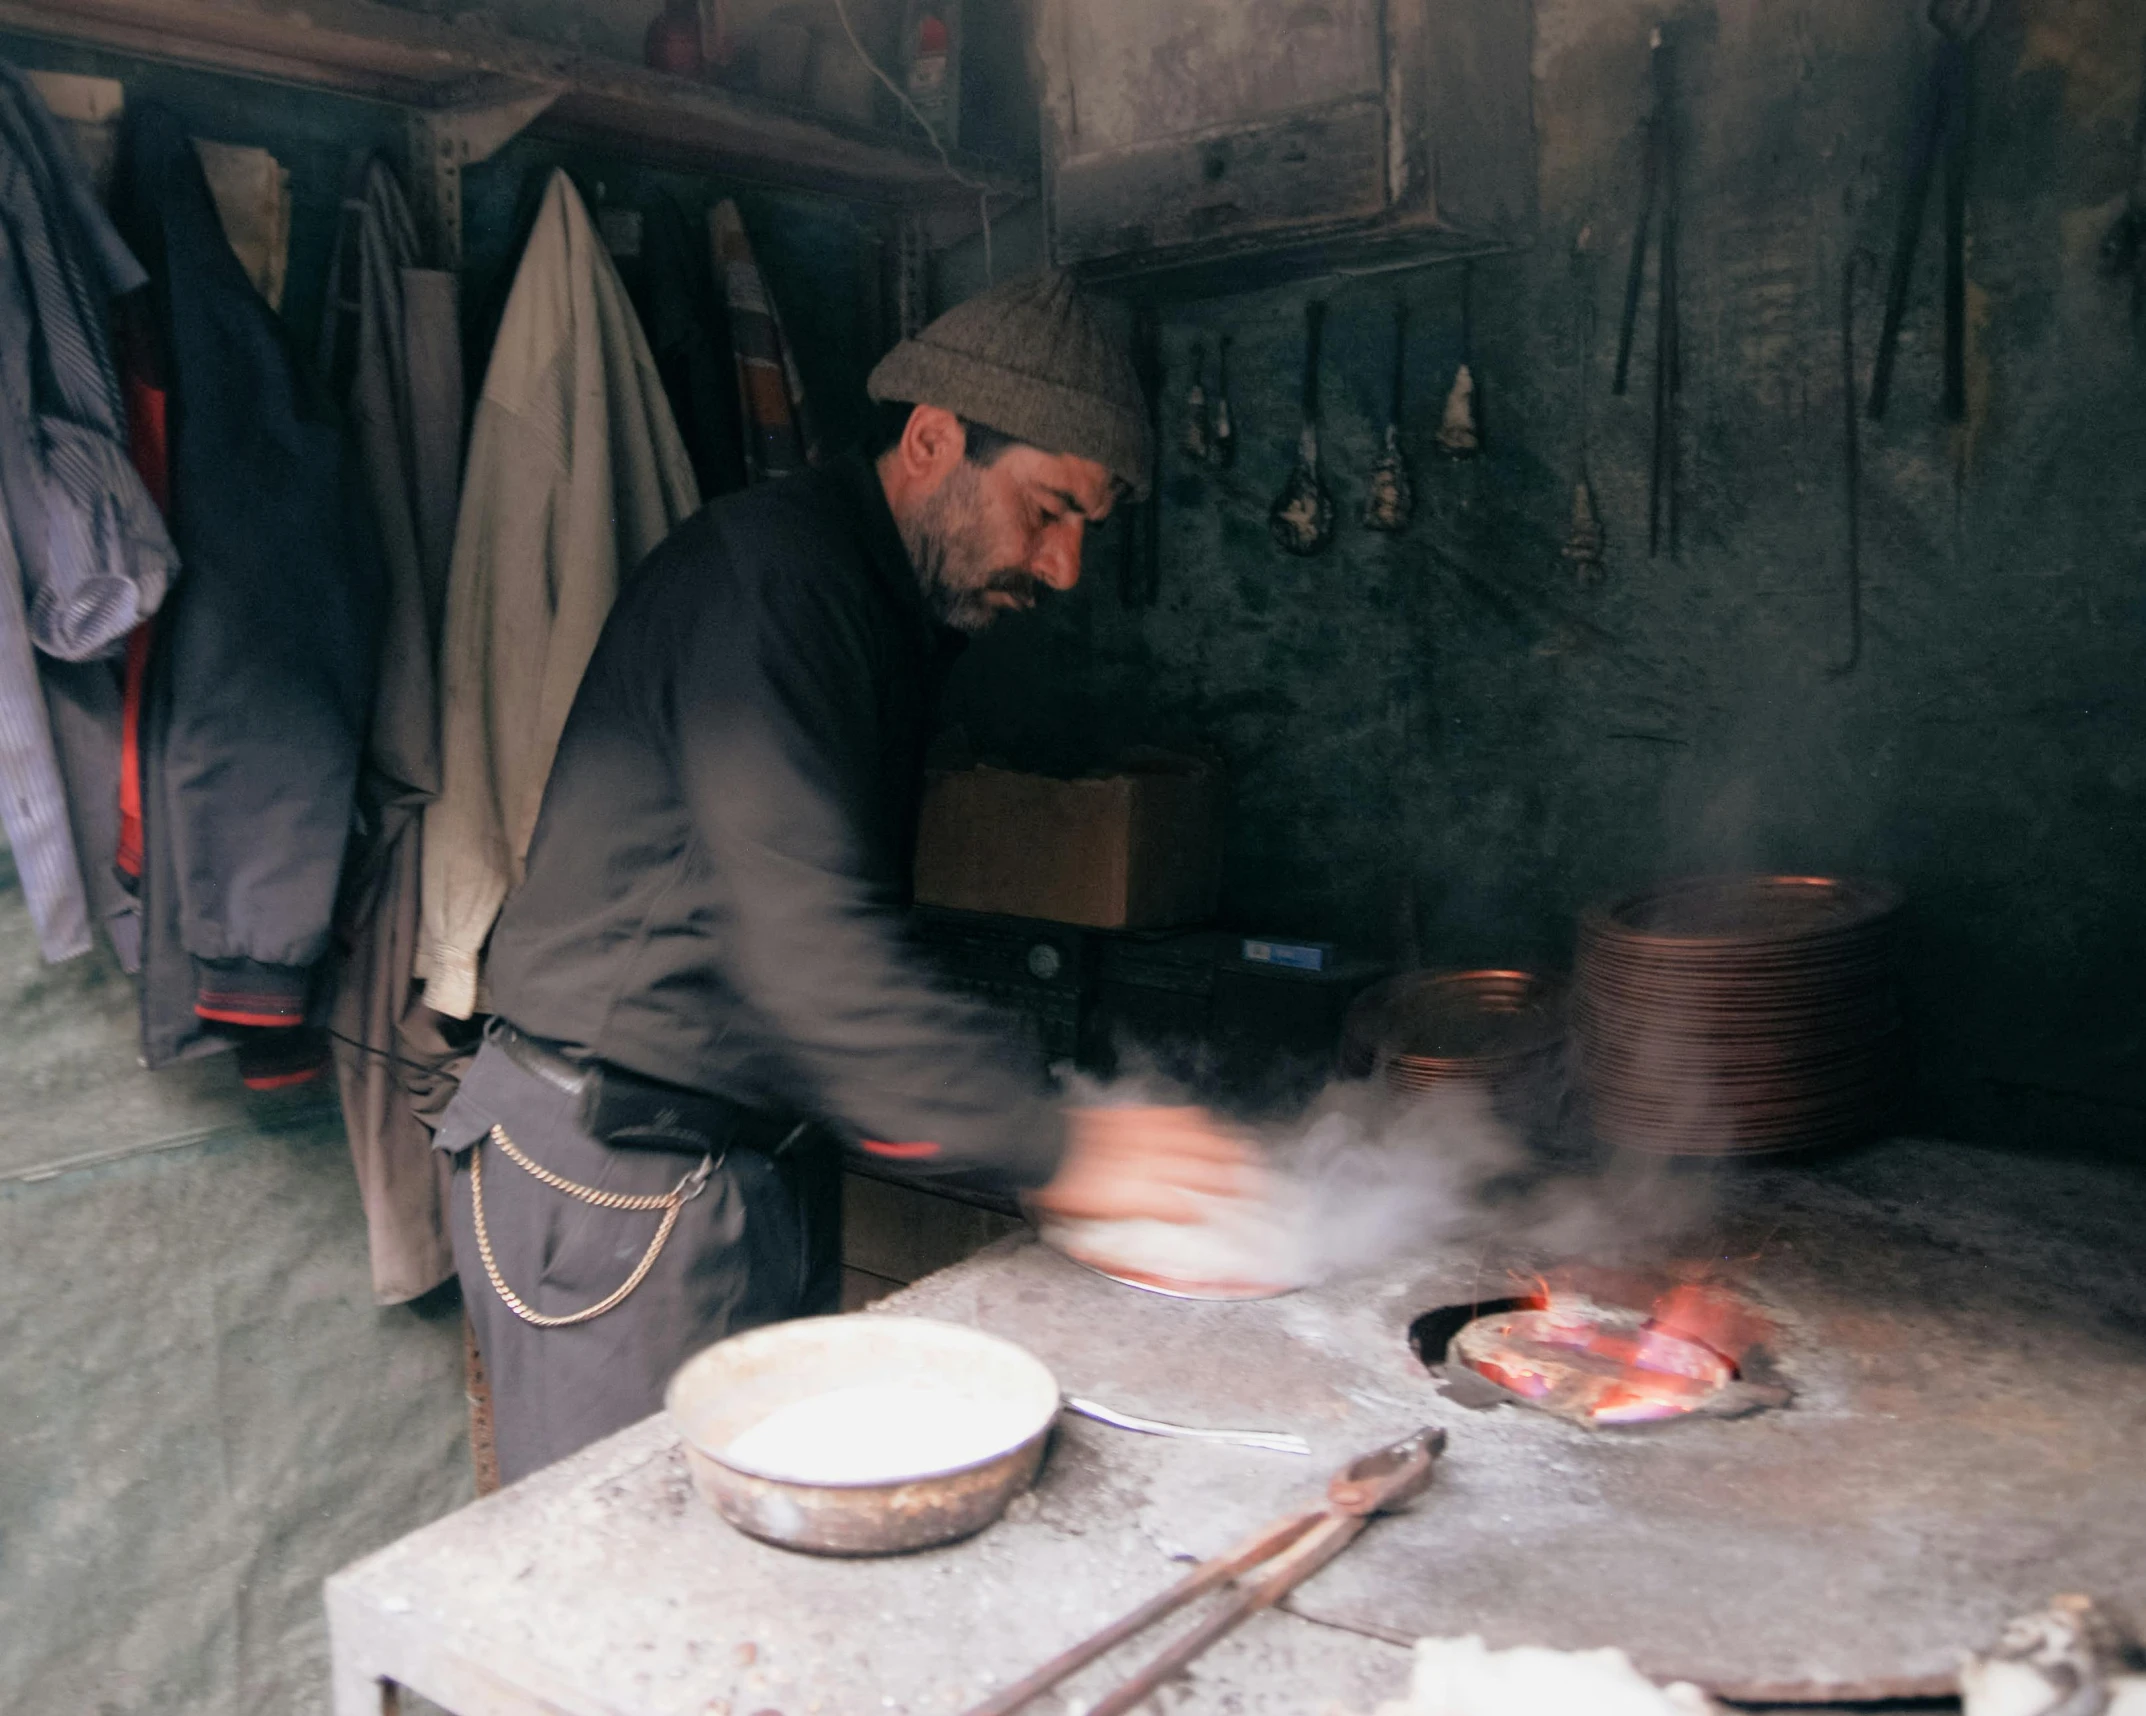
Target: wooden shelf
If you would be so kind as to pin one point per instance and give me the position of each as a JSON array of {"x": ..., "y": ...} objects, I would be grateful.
[{"x": 385, "y": 54}]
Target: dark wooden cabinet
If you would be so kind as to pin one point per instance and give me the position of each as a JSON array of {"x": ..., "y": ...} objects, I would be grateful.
[{"x": 1188, "y": 132}]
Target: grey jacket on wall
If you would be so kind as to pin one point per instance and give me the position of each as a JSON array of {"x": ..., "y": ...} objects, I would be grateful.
[
  {"x": 261, "y": 682},
  {"x": 391, "y": 346},
  {"x": 84, "y": 555}
]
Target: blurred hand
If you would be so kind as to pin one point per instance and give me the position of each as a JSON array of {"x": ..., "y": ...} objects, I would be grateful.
[{"x": 1126, "y": 1164}]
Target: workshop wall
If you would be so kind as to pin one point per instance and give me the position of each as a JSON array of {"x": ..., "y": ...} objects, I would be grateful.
[{"x": 1443, "y": 746}]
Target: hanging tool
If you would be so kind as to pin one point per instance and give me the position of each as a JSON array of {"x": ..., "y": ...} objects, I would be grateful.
[
  {"x": 1301, "y": 521},
  {"x": 1852, "y": 467},
  {"x": 1389, "y": 498},
  {"x": 1194, "y": 438},
  {"x": 1584, "y": 537},
  {"x": 1658, "y": 206},
  {"x": 1278, "y": 1558},
  {"x": 2123, "y": 247},
  {"x": 1140, "y": 562},
  {"x": 1459, "y": 435},
  {"x": 1222, "y": 442},
  {"x": 1940, "y": 129}
]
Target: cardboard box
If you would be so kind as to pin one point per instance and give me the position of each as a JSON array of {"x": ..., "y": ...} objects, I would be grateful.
[{"x": 1139, "y": 848}]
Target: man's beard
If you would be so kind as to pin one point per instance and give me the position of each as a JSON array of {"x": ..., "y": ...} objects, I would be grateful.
[{"x": 945, "y": 537}]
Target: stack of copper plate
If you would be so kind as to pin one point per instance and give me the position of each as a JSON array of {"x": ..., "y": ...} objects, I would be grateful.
[
  {"x": 1430, "y": 1030},
  {"x": 1736, "y": 1015}
]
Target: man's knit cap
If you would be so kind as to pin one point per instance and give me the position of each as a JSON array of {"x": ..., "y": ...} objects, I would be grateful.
[{"x": 1037, "y": 359}]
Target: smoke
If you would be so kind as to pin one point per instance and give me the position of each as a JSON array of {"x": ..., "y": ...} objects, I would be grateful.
[{"x": 1363, "y": 1177}]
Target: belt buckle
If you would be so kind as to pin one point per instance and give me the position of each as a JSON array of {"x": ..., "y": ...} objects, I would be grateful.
[{"x": 691, "y": 1186}]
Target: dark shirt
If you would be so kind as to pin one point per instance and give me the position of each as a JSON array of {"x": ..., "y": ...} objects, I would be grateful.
[{"x": 717, "y": 887}]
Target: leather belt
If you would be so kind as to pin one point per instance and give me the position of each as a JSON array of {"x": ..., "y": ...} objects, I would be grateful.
[{"x": 628, "y": 1109}]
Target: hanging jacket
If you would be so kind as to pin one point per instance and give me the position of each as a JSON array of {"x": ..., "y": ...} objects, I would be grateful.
[
  {"x": 85, "y": 554},
  {"x": 260, "y": 681},
  {"x": 681, "y": 309},
  {"x": 576, "y": 471},
  {"x": 391, "y": 346}
]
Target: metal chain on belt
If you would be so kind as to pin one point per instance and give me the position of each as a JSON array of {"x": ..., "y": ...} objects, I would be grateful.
[{"x": 670, "y": 1203}]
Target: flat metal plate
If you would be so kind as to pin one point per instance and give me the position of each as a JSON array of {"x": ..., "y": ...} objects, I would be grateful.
[
  {"x": 1966, "y": 1333},
  {"x": 1167, "y": 1289}
]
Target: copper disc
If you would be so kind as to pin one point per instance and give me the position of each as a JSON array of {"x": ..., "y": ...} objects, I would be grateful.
[
  {"x": 1437, "y": 1030},
  {"x": 1739, "y": 1014}
]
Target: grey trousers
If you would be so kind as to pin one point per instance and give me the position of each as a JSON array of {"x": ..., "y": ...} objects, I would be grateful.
[{"x": 760, "y": 1243}]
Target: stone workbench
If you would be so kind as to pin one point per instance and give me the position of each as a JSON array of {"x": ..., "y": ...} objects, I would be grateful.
[
  {"x": 1964, "y": 1332},
  {"x": 605, "y": 1586}
]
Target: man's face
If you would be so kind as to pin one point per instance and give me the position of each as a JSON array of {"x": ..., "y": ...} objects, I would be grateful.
[{"x": 990, "y": 538}]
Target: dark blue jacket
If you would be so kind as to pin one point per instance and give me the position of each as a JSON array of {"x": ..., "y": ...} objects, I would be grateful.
[{"x": 261, "y": 681}]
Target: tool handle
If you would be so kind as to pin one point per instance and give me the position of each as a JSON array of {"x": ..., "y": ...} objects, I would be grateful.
[
  {"x": 1922, "y": 156},
  {"x": 1261, "y": 1546},
  {"x": 1636, "y": 271},
  {"x": 1853, "y": 469},
  {"x": 1400, "y": 354},
  {"x": 1319, "y": 1546},
  {"x": 1953, "y": 56},
  {"x": 1273, "y": 1441},
  {"x": 1656, "y": 144},
  {"x": 1314, "y": 321}
]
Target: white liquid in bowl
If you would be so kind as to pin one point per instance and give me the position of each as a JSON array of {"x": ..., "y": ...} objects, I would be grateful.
[{"x": 879, "y": 1433}]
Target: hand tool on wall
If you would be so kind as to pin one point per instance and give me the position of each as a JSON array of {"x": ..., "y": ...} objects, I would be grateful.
[
  {"x": 1584, "y": 536},
  {"x": 1274, "y": 1560},
  {"x": 1940, "y": 130},
  {"x": 1301, "y": 521},
  {"x": 1851, "y": 468},
  {"x": 1389, "y": 498},
  {"x": 2123, "y": 247},
  {"x": 1140, "y": 552},
  {"x": 1658, "y": 208},
  {"x": 1194, "y": 437},
  {"x": 1222, "y": 441},
  {"x": 1459, "y": 434}
]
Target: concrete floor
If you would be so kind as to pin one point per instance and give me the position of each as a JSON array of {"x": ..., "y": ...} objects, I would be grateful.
[{"x": 202, "y": 1412}]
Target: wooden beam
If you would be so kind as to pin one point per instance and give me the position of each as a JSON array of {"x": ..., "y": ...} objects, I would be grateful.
[{"x": 382, "y": 53}]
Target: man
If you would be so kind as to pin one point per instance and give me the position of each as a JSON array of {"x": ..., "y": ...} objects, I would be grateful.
[{"x": 702, "y": 988}]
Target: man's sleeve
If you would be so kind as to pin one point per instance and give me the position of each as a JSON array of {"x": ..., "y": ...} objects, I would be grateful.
[{"x": 780, "y": 745}]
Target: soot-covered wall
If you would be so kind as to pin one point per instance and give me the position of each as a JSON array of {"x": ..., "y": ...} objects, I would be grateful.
[{"x": 1442, "y": 746}]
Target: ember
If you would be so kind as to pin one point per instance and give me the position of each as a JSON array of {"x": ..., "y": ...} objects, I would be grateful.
[
  {"x": 1605, "y": 1358},
  {"x": 1585, "y": 1361}
]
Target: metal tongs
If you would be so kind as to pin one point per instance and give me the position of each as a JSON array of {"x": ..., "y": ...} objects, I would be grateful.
[
  {"x": 1940, "y": 134},
  {"x": 1282, "y": 1555}
]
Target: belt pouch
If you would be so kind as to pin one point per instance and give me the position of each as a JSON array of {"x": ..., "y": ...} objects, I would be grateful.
[{"x": 636, "y": 1113}]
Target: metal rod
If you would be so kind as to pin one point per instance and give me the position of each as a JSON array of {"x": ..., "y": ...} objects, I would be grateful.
[
  {"x": 1853, "y": 476},
  {"x": 1669, "y": 334},
  {"x": 1400, "y": 353},
  {"x": 1274, "y": 1441},
  {"x": 1954, "y": 58},
  {"x": 1922, "y": 152},
  {"x": 1269, "y": 1541},
  {"x": 1314, "y": 321},
  {"x": 1300, "y": 1563},
  {"x": 1636, "y": 270}
]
